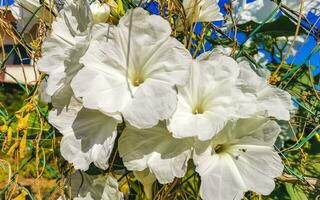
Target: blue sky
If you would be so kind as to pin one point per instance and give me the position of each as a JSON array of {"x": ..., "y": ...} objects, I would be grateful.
[
  {"x": 304, "y": 52},
  {"x": 6, "y": 2}
]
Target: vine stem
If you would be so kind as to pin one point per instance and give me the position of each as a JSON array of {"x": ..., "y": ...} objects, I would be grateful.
[{"x": 293, "y": 42}]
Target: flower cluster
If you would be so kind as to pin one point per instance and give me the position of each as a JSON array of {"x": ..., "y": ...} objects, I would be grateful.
[{"x": 212, "y": 109}]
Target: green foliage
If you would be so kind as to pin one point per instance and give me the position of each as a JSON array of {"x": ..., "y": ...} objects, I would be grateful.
[{"x": 295, "y": 192}]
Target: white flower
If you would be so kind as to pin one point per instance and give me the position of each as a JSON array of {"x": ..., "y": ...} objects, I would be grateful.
[
  {"x": 87, "y": 197},
  {"x": 138, "y": 83},
  {"x": 240, "y": 158},
  {"x": 43, "y": 96},
  {"x": 23, "y": 11},
  {"x": 83, "y": 186},
  {"x": 270, "y": 100},
  {"x": 313, "y": 6},
  {"x": 202, "y": 10},
  {"x": 100, "y": 12},
  {"x": 155, "y": 149},
  {"x": 62, "y": 50},
  {"x": 223, "y": 50},
  {"x": 256, "y": 11},
  {"x": 210, "y": 99},
  {"x": 283, "y": 43},
  {"x": 308, "y": 6},
  {"x": 110, "y": 188},
  {"x": 261, "y": 58},
  {"x": 219, "y": 90},
  {"x": 88, "y": 135}
]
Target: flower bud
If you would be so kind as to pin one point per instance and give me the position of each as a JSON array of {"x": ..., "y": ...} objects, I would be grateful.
[
  {"x": 100, "y": 12},
  {"x": 147, "y": 179}
]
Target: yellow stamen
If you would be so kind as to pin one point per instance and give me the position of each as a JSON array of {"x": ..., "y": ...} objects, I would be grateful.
[
  {"x": 137, "y": 82},
  {"x": 198, "y": 110}
]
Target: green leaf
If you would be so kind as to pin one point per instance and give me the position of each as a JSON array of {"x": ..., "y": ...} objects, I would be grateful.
[{"x": 295, "y": 192}]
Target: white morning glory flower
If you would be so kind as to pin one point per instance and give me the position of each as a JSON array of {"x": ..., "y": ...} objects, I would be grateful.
[
  {"x": 210, "y": 99},
  {"x": 256, "y": 11},
  {"x": 308, "y": 6},
  {"x": 82, "y": 186},
  {"x": 61, "y": 51},
  {"x": 109, "y": 187},
  {"x": 155, "y": 149},
  {"x": 284, "y": 43},
  {"x": 139, "y": 83},
  {"x": 313, "y": 6},
  {"x": 23, "y": 11},
  {"x": 202, "y": 10},
  {"x": 240, "y": 158},
  {"x": 42, "y": 95},
  {"x": 270, "y": 101},
  {"x": 261, "y": 58},
  {"x": 88, "y": 135},
  {"x": 100, "y": 12}
]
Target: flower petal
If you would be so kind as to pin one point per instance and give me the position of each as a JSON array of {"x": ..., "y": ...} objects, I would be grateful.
[
  {"x": 251, "y": 131},
  {"x": 23, "y": 11},
  {"x": 308, "y": 6},
  {"x": 103, "y": 75},
  {"x": 210, "y": 11},
  {"x": 110, "y": 188},
  {"x": 83, "y": 186},
  {"x": 153, "y": 101},
  {"x": 273, "y": 101},
  {"x": 110, "y": 92},
  {"x": 216, "y": 175},
  {"x": 256, "y": 11},
  {"x": 88, "y": 135},
  {"x": 43, "y": 96},
  {"x": 156, "y": 149},
  {"x": 202, "y": 11}
]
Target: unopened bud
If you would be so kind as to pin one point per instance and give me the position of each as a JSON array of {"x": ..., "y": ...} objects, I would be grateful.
[{"x": 100, "y": 12}]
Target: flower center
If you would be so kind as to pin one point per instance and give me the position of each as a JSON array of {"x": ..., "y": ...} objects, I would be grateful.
[
  {"x": 198, "y": 109},
  {"x": 137, "y": 79},
  {"x": 137, "y": 82},
  {"x": 219, "y": 148}
]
